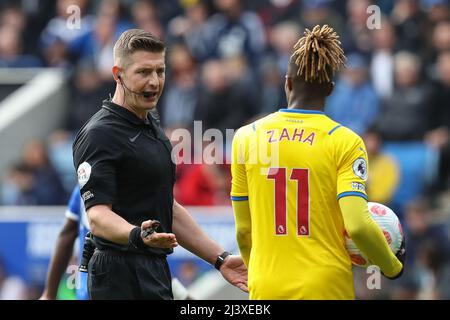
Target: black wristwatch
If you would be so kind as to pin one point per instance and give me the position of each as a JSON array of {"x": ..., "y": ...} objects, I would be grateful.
[{"x": 221, "y": 259}]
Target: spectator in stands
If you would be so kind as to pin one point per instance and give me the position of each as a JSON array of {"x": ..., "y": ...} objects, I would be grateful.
[
  {"x": 354, "y": 102},
  {"x": 357, "y": 37},
  {"x": 17, "y": 188},
  {"x": 233, "y": 31},
  {"x": 47, "y": 187},
  {"x": 437, "y": 10},
  {"x": 421, "y": 227},
  {"x": 439, "y": 136},
  {"x": 97, "y": 46},
  {"x": 189, "y": 26},
  {"x": 59, "y": 32},
  {"x": 11, "y": 55},
  {"x": 204, "y": 185},
  {"x": 382, "y": 59},
  {"x": 320, "y": 12},
  {"x": 86, "y": 92},
  {"x": 431, "y": 267},
  {"x": 384, "y": 174},
  {"x": 412, "y": 26},
  {"x": 60, "y": 154},
  {"x": 273, "y": 12},
  {"x": 282, "y": 38},
  {"x": 180, "y": 98},
  {"x": 221, "y": 105},
  {"x": 405, "y": 115},
  {"x": 145, "y": 17}
]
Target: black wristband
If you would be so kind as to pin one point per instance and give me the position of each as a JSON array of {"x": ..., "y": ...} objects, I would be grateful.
[
  {"x": 135, "y": 239},
  {"x": 221, "y": 259}
]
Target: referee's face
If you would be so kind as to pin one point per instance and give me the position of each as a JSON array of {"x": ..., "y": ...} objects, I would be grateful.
[{"x": 145, "y": 73}]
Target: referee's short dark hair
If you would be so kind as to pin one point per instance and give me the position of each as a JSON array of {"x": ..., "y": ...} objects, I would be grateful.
[{"x": 134, "y": 40}]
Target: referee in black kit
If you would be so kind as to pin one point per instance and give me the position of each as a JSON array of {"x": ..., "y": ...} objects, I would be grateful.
[{"x": 126, "y": 175}]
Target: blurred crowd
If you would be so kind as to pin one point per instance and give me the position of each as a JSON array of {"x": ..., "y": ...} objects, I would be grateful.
[{"x": 226, "y": 63}]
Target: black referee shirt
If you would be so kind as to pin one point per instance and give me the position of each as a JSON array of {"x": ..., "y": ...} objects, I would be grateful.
[{"x": 124, "y": 161}]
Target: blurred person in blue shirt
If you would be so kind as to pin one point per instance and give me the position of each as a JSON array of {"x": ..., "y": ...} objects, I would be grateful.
[
  {"x": 76, "y": 226},
  {"x": 354, "y": 102}
]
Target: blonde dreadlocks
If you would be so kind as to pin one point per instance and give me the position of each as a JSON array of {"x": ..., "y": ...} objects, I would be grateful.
[{"x": 318, "y": 54}]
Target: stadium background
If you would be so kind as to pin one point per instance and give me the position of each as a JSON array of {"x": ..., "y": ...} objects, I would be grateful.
[{"x": 226, "y": 65}]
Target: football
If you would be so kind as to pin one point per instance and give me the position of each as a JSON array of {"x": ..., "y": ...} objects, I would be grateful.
[{"x": 389, "y": 223}]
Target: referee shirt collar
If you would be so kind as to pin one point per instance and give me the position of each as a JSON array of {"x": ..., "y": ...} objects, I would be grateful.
[{"x": 126, "y": 114}]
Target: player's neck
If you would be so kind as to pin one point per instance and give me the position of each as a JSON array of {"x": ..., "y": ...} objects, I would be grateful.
[{"x": 305, "y": 104}]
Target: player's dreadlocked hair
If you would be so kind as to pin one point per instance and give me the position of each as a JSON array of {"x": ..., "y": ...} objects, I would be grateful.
[{"x": 318, "y": 54}]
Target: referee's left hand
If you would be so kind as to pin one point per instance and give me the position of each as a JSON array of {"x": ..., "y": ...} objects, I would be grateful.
[
  {"x": 234, "y": 271},
  {"x": 158, "y": 239}
]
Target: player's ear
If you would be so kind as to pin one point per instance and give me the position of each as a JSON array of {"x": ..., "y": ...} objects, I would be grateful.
[
  {"x": 330, "y": 88},
  {"x": 288, "y": 84},
  {"x": 116, "y": 73}
]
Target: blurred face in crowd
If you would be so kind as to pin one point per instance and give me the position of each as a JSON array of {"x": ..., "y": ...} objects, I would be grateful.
[
  {"x": 417, "y": 219},
  {"x": 441, "y": 36},
  {"x": 227, "y": 5},
  {"x": 284, "y": 36},
  {"x": 356, "y": 76},
  {"x": 384, "y": 38},
  {"x": 35, "y": 154},
  {"x": 183, "y": 68},
  {"x": 9, "y": 42},
  {"x": 372, "y": 142},
  {"x": 443, "y": 68},
  {"x": 357, "y": 11},
  {"x": 13, "y": 17},
  {"x": 406, "y": 69},
  {"x": 144, "y": 71},
  {"x": 214, "y": 76}
]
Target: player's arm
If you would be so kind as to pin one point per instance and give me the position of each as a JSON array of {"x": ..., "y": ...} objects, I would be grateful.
[
  {"x": 239, "y": 197},
  {"x": 60, "y": 259},
  {"x": 367, "y": 236},
  {"x": 243, "y": 220},
  {"x": 353, "y": 171}
]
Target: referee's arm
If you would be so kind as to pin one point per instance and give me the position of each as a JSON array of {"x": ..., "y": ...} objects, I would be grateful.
[
  {"x": 191, "y": 236},
  {"x": 106, "y": 224}
]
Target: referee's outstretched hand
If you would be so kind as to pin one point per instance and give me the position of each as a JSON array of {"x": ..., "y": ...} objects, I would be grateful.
[
  {"x": 234, "y": 271},
  {"x": 158, "y": 239}
]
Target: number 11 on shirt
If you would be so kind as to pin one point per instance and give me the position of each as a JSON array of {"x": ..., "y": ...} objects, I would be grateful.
[{"x": 279, "y": 175}]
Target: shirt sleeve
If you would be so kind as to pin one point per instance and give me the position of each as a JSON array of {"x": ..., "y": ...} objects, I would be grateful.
[
  {"x": 368, "y": 236},
  {"x": 239, "y": 187},
  {"x": 73, "y": 207},
  {"x": 95, "y": 159},
  {"x": 353, "y": 168}
]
